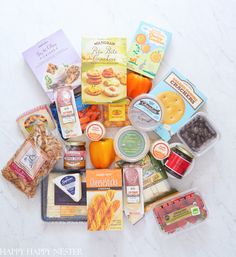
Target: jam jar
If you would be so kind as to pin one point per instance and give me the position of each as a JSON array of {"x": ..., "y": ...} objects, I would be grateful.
[
  {"x": 75, "y": 156},
  {"x": 178, "y": 161}
]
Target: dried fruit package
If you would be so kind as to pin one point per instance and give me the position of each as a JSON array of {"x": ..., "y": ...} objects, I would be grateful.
[{"x": 33, "y": 160}]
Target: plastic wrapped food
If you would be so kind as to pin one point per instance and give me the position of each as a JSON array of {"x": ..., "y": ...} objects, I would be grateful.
[
  {"x": 87, "y": 113},
  {"x": 180, "y": 211},
  {"x": 116, "y": 115},
  {"x": 33, "y": 160}
]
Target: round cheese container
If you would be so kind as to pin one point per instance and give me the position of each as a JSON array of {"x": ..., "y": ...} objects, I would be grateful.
[
  {"x": 145, "y": 112},
  {"x": 95, "y": 131},
  {"x": 160, "y": 150},
  {"x": 130, "y": 144}
]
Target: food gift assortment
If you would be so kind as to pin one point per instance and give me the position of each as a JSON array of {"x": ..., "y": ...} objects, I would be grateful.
[{"x": 129, "y": 173}]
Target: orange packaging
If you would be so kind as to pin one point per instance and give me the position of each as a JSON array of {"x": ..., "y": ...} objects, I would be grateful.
[
  {"x": 104, "y": 199},
  {"x": 116, "y": 115}
]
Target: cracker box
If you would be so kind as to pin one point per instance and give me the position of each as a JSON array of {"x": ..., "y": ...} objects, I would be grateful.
[
  {"x": 148, "y": 49},
  {"x": 104, "y": 199},
  {"x": 180, "y": 99},
  {"x": 40, "y": 114},
  {"x": 104, "y": 68},
  {"x": 54, "y": 59}
]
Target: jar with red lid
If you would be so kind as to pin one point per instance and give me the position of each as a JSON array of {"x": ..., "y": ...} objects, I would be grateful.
[
  {"x": 75, "y": 156},
  {"x": 179, "y": 161}
]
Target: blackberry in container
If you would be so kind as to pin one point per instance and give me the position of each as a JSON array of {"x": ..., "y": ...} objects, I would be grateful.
[{"x": 199, "y": 134}]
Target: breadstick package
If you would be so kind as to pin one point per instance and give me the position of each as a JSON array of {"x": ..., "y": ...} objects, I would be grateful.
[
  {"x": 104, "y": 199},
  {"x": 33, "y": 160}
]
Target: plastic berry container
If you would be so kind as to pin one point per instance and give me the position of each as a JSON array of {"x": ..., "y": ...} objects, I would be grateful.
[
  {"x": 199, "y": 134},
  {"x": 181, "y": 211}
]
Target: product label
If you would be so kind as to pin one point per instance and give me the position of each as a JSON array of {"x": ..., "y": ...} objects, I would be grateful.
[
  {"x": 28, "y": 162},
  {"x": 95, "y": 132},
  {"x": 133, "y": 194},
  {"x": 67, "y": 110},
  {"x": 116, "y": 112},
  {"x": 104, "y": 199},
  {"x": 131, "y": 143},
  {"x": 74, "y": 159},
  {"x": 71, "y": 185},
  {"x": 181, "y": 214},
  {"x": 177, "y": 164},
  {"x": 150, "y": 107},
  {"x": 160, "y": 151},
  {"x": 185, "y": 89}
]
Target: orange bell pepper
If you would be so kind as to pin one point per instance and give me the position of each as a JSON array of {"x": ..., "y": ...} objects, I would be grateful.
[
  {"x": 137, "y": 84},
  {"x": 102, "y": 153}
]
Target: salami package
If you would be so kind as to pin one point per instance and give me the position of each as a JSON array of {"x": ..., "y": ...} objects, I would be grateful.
[
  {"x": 33, "y": 160},
  {"x": 133, "y": 192}
]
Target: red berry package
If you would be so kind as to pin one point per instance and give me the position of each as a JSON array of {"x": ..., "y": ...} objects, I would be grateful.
[{"x": 180, "y": 211}]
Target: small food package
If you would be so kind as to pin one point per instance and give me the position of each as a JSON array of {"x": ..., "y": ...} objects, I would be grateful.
[
  {"x": 104, "y": 68},
  {"x": 179, "y": 99},
  {"x": 54, "y": 59},
  {"x": 155, "y": 180},
  {"x": 104, "y": 199},
  {"x": 67, "y": 111},
  {"x": 147, "y": 49},
  {"x": 33, "y": 160},
  {"x": 87, "y": 113},
  {"x": 116, "y": 115},
  {"x": 199, "y": 134},
  {"x": 40, "y": 114},
  {"x": 133, "y": 192},
  {"x": 63, "y": 197},
  {"x": 181, "y": 211}
]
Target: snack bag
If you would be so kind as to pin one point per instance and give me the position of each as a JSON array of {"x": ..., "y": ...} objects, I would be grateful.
[
  {"x": 147, "y": 49},
  {"x": 104, "y": 68},
  {"x": 33, "y": 160}
]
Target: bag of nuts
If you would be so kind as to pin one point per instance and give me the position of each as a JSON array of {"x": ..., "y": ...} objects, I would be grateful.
[{"x": 33, "y": 160}]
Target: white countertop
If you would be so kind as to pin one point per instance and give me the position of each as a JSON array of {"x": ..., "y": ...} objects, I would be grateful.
[{"x": 203, "y": 48}]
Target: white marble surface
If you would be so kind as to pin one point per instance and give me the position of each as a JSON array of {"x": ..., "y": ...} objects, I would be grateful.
[{"x": 203, "y": 48}]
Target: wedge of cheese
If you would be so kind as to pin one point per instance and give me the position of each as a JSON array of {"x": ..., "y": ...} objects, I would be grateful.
[{"x": 70, "y": 184}]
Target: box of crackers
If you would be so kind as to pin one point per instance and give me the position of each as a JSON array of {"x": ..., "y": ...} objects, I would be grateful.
[
  {"x": 40, "y": 114},
  {"x": 104, "y": 199},
  {"x": 147, "y": 49},
  {"x": 180, "y": 100},
  {"x": 104, "y": 68},
  {"x": 54, "y": 59}
]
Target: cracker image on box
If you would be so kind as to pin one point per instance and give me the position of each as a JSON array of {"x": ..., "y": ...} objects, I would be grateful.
[
  {"x": 180, "y": 99},
  {"x": 104, "y": 64},
  {"x": 104, "y": 199}
]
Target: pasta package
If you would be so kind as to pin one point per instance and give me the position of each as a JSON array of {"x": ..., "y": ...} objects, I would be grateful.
[
  {"x": 104, "y": 199},
  {"x": 33, "y": 160}
]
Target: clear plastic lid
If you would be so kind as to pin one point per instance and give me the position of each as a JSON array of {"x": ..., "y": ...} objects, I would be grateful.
[
  {"x": 130, "y": 144},
  {"x": 199, "y": 134},
  {"x": 181, "y": 211},
  {"x": 145, "y": 112}
]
